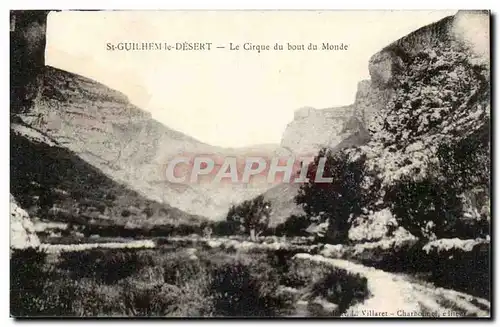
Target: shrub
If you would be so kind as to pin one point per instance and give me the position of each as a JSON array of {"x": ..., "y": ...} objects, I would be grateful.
[
  {"x": 466, "y": 163},
  {"x": 245, "y": 290},
  {"x": 456, "y": 187},
  {"x": 27, "y": 281},
  {"x": 166, "y": 284},
  {"x": 342, "y": 288},
  {"x": 104, "y": 265},
  {"x": 305, "y": 272},
  {"x": 148, "y": 300},
  {"x": 293, "y": 226},
  {"x": 178, "y": 270},
  {"x": 225, "y": 228}
]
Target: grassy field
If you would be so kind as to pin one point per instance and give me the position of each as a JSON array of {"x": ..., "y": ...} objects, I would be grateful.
[{"x": 175, "y": 282}]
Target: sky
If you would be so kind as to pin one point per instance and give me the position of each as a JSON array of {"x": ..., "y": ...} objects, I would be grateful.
[{"x": 230, "y": 98}]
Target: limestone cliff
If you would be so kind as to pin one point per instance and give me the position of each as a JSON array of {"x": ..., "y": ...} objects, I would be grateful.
[
  {"x": 428, "y": 90},
  {"x": 313, "y": 129},
  {"x": 27, "y": 48},
  {"x": 437, "y": 118}
]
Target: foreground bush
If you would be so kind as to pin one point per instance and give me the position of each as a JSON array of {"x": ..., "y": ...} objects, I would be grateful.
[
  {"x": 98, "y": 264},
  {"x": 425, "y": 207},
  {"x": 341, "y": 288},
  {"x": 27, "y": 277},
  {"x": 182, "y": 283}
]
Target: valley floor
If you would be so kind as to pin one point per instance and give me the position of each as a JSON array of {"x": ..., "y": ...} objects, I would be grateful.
[{"x": 185, "y": 277}]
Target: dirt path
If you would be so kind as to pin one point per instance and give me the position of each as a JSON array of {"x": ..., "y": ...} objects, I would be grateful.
[{"x": 394, "y": 296}]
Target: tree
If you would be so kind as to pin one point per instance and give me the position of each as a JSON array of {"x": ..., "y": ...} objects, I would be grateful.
[
  {"x": 425, "y": 207},
  {"x": 251, "y": 215},
  {"x": 337, "y": 201}
]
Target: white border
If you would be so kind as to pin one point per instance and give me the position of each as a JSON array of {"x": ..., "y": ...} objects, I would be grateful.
[{"x": 192, "y": 5}]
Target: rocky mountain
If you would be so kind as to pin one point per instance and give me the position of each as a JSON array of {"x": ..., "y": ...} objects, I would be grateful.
[{"x": 427, "y": 90}]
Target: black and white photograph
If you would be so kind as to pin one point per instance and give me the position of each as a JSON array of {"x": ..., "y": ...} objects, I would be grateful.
[{"x": 250, "y": 163}]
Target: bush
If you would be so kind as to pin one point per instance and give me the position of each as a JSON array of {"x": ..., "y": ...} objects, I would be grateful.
[
  {"x": 466, "y": 163},
  {"x": 293, "y": 226},
  {"x": 178, "y": 270},
  {"x": 225, "y": 228},
  {"x": 148, "y": 300},
  {"x": 145, "y": 283},
  {"x": 242, "y": 290},
  {"x": 465, "y": 166},
  {"x": 341, "y": 288},
  {"x": 303, "y": 273},
  {"x": 456, "y": 187},
  {"x": 105, "y": 266},
  {"x": 27, "y": 281}
]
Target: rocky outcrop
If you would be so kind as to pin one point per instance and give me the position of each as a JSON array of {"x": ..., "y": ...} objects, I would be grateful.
[
  {"x": 430, "y": 102},
  {"x": 371, "y": 97},
  {"x": 313, "y": 129},
  {"x": 22, "y": 231},
  {"x": 427, "y": 89},
  {"x": 27, "y": 54},
  {"x": 438, "y": 81},
  {"x": 28, "y": 38},
  {"x": 470, "y": 27}
]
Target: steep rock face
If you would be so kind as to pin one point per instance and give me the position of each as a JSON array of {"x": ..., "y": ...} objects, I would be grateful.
[
  {"x": 22, "y": 232},
  {"x": 440, "y": 89},
  {"x": 438, "y": 77},
  {"x": 27, "y": 54},
  {"x": 371, "y": 97},
  {"x": 469, "y": 27},
  {"x": 313, "y": 129},
  {"x": 427, "y": 89}
]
